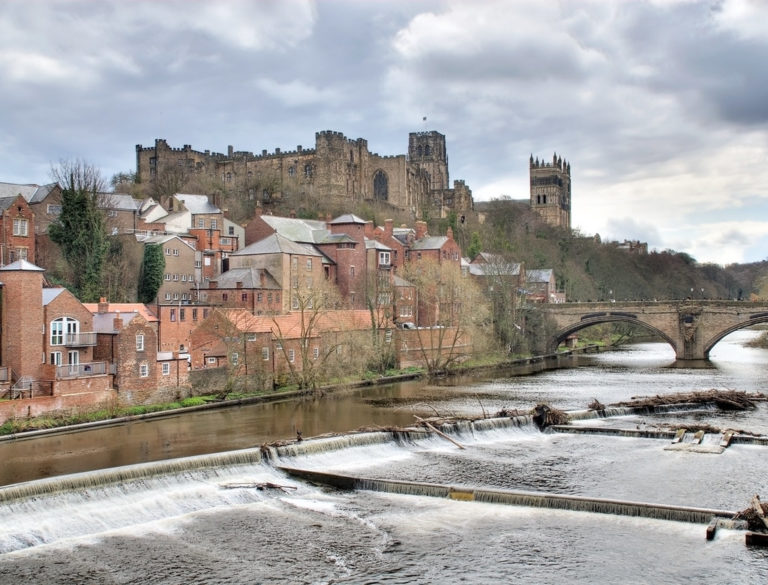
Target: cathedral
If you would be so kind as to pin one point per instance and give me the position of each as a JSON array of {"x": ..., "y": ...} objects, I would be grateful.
[{"x": 551, "y": 190}]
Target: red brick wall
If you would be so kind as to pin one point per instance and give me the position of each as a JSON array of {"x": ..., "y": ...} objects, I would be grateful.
[
  {"x": 22, "y": 320},
  {"x": 67, "y": 305}
]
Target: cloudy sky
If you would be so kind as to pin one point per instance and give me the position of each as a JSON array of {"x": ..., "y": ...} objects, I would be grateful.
[{"x": 660, "y": 106}]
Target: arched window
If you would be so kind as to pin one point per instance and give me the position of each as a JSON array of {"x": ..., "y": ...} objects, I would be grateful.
[
  {"x": 63, "y": 327},
  {"x": 427, "y": 150},
  {"x": 419, "y": 151},
  {"x": 380, "y": 186},
  {"x": 308, "y": 171}
]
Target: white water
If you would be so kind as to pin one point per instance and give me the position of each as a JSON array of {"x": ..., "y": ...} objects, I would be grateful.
[{"x": 184, "y": 528}]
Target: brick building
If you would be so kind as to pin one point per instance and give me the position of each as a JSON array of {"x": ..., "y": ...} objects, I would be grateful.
[{"x": 17, "y": 236}]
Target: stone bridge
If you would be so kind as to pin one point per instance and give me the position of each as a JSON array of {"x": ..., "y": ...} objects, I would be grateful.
[{"x": 691, "y": 327}]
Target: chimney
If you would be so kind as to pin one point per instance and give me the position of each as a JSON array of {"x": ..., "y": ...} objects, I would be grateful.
[
  {"x": 103, "y": 306},
  {"x": 238, "y": 284},
  {"x": 368, "y": 230},
  {"x": 117, "y": 322},
  {"x": 421, "y": 229},
  {"x": 213, "y": 284},
  {"x": 388, "y": 225}
]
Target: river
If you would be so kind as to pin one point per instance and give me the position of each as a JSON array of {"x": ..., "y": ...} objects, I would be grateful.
[{"x": 191, "y": 524}]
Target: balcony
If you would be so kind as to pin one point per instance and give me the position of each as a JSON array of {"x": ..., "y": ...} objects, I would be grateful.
[
  {"x": 80, "y": 339},
  {"x": 81, "y": 370}
]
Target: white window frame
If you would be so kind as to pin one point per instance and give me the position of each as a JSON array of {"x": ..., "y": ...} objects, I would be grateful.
[
  {"x": 166, "y": 369},
  {"x": 265, "y": 353},
  {"x": 143, "y": 370},
  {"x": 20, "y": 226},
  {"x": 139, "y": 342},
  {"x": 291, "y": 355}
]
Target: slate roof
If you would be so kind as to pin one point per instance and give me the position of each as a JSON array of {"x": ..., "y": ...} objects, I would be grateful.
[
  {"x": 347, "y": 218},
  {"x": 197, "y": 204},
  {"x": 119, "y": 201},
  {"x": 250, "y": 277},
  {"x": 122, "y": 309},
  {"x": 31, "y": 193},
  {"x": 22, "y": 265},
  {"x": 429, "y": 243},
  {"x": 376, "y": 245},
  {"x": 308, "y": 231},
  {"x": 6, "y": 202},
  {"x": 500, "y": 269},
  {"x": 277, "y": 244},
  {"x": 49, "y": 294},
  {"x": 543, "y": 275},
  {"x": 398, "y": 281}
]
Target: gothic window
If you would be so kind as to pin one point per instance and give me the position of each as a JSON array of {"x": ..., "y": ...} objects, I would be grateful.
[
  {"x": 308, "y": 171},
  {"x": 419, "y": 151},
  {"x": 427, "y": 150},
  {"x": 380, "y": 186},
  {"x": 291, "y": 171}
]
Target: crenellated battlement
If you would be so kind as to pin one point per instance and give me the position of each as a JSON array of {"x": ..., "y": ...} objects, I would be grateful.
[{"x": 557, "y": 163}]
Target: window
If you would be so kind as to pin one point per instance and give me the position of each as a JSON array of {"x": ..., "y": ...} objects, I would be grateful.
[
  {"x": 308, "y": 171},
  {"x": 388, "y": 336},
  {"x": 167, "y": 296},
  {"x": 175, "y": 251},
  {"x": 167, "y": 276},
  {"x": 291, "y": 355},
  {"x": 207, "y": 260},
  {"x": 308, "y": 282},
  {"x": 22, "y": 252},
  {"x": 143, "y": 370},
  {"x": 61, "y": 327},
  {"x": 173, "y": 314},
  {"x": 269, "y": 297},
  {"x": 201, "y": 223},
  {"x": 167, "y": 251},
  {"x": 20, "y": 227},
  {"x": 278, "y": 345},
  {"x": 244, "y": 297},
  {"x": 384, "y": 258},
  {"x": 291, "y": 171},
  {"x": 211, "y": 360},
  {"x": 309, "y": 263},
  {"x": 139, "y": 342},
  {"x": 315, "y": 352},
  {"x": 198, "y": 264},
  {"x": 225, "y": 241},
  {"x": 265, "y": 353},
  {"x": 231, "y": 231},
  {"x": 214, "y": 224},
  {"x": 259, "y": 297},
  {"x": 175, "y": 296},
  {"x": 194, "y": 314},
  {"x": 176, "y": 277},
  {"x": 234, "y": 357},
  {"x": 224, "y": 296},
  {"x": 53, "y": 209},
  {"x": 352, "y": 271},
  {"x": 182, "y": 314},
  {"x": 56, "y": 358},
  {"x": 294, "y": 302},
  {"x": 166, "y": 369},
  {"x": 251, "y": 337}
]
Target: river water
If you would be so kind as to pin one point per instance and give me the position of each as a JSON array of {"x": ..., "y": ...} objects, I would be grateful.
[{"x": 190, "y": 524}]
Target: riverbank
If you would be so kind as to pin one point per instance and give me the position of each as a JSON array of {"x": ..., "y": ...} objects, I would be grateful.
[{"x": 21, "y": 429}]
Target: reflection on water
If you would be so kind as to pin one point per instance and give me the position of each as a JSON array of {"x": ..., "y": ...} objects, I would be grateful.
[{"x": 184, "y": 527}]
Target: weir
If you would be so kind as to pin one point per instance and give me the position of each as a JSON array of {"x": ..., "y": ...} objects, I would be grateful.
[{"x": 515, "y": 498}]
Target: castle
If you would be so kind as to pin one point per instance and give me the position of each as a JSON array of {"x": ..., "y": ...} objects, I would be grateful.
[
  {"x": 338, "y": 171},
  {"x": 551, "y": 190}
]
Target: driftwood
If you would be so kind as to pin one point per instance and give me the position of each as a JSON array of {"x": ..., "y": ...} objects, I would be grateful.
[
  {"x": 435, "y": 430},
  {"x": 755, "y": 515},
  {"x": 258, "y": 486},
  {"x": 724, "y": 399}
]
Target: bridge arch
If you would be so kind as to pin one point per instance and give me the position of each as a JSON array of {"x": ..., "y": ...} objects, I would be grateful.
[
  {"x": 599, "y": 318},
  {"x": 754, "y": 320}
]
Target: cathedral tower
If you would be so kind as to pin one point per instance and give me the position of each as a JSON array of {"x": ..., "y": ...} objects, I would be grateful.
[
  {"x": 427, "y": 150},
  {"x": 551, "y": 190}
]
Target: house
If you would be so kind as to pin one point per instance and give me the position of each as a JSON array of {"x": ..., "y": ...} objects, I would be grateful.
[
  {"x": 497, "y": 275},
  {"x": 128, "y": 338},
  {"x": 541, "y": 286},
  {"x": 442, "y": 249},
  {"x": 292, "y": 266},
  {"x": 235, "y": 339},
  {"x": 122, "y": 212},
  {"x": 250, "y": 288},
  {"x": 43, "y": 200},
  {"x": 405, "y": 302},
  {"x": 181, "y": 276},
  {"x": 56, "y": 369},
  {"x": 17, "y": 237}
]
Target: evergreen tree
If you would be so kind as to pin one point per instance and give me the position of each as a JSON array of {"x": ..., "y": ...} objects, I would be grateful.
[
  {"x": 152, "y": 269},
  {"x": 80, "y": 230}
]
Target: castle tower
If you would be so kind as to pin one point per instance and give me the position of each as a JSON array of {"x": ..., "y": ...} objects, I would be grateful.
[
  {"x": 21, "y": 317},
  {"x": 551, "y": 190},
  {"x": 427, "y": 150}
]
